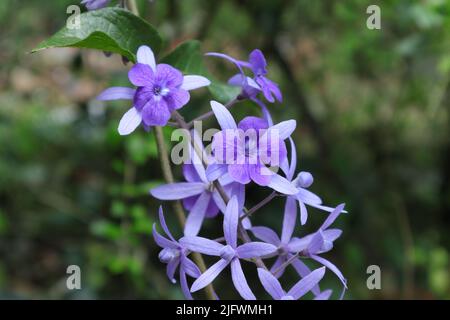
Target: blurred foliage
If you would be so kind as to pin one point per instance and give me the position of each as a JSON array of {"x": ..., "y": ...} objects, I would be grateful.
[{"x": 373, "y": 114}]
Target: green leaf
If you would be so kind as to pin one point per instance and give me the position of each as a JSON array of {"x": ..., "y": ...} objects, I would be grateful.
[
  {"x": 188, "y": 58},
  {"x": 110, "y": 29}
]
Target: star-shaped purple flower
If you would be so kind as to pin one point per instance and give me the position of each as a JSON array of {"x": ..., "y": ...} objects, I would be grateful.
[
  {"x": 273, "y": 286},
  {"x": 95, "y": 4},
  {"x": 319, "y": 242},
  {"x": 283, "y": 244},
  {"x": 161, "y": 89},
  {"x": 259, "y": 83},
  {"x": 244, "y": 151},
  {"x": 229, "y": 254},
  {"x": 175, "y": 254}
]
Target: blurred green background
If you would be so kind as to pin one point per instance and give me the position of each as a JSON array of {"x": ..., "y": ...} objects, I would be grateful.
[{"x": 372, "y": 108}]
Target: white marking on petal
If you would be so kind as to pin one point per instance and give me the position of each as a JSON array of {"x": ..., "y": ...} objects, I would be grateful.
[
  {"x": 145, "y": 55},
  {"x": 129, "y": 122}
]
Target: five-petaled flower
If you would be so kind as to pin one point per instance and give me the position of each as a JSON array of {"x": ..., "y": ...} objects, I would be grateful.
[
  {"x": 229, "y": 253},
  {"x": 175, "y": 254},
  {"x": 161, "y": 89},
  {"x": 244, "y": 151},
  {"x": 259, "y": 83},
  {"x": 319, "y": 242}
]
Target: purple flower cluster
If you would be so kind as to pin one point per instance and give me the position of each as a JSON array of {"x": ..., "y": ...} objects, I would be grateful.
[{"x": 252, "y": 152}]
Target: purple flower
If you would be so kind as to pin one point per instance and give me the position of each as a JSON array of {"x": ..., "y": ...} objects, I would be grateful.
[
  {"x": 198, "y": 193},
  {"x": 95, "y": 4},
  {"x": 319, "y": 242},
  {"x": 273, "y": 286},
  {"x": 259, "y": 83},
  {"x": 303, "y": 181},
  {"x": 161, "y": 89},
  {"x": 284, "y": 244},
  {"x": 244, "y": 151},
  {"x": 258, "y": 64},
  {"x": 175, "y": 254},
  {"x": 229, "y": 254}
]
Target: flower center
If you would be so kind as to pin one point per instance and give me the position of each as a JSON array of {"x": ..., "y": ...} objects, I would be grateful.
[
  {"x": 282, "y": 249},
  {"x": 168, "y": 254},
  {"x": 160, "y": 91},
  {"x": 227, "y": 253}
]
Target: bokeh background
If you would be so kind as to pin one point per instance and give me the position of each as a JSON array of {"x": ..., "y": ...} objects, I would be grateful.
[{"x": 373, "y": 113}]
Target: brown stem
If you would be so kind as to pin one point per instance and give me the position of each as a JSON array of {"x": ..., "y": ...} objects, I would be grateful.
[
  {"x": 209, "y": 114},
  {"x": 168, "y": 176},
  {"x": 259, "y": 205}
]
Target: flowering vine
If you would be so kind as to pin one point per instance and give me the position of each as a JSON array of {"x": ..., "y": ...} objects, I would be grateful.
[{"x": 249, "y": 153}]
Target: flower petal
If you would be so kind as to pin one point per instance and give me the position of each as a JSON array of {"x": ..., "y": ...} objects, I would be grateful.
[
  {"x": 168, "y": 75},
  {"x": 194, "y": 82},
  {"x": 255, "y": 249},
  {"x": 303, "y": 213},
  {"x": 293, "y": 163},
  {"x": 271, "y": 284},
  {"x": 219, "y": 201},
  {"x": 316, "y": 243},
  {"x": 300, "y": 244},
  {"x": 303, "y": 270},
  {"x": 308, "y": 197},
  {"x": 333, "y": 216},
  {"x": 238, "y": 80},
  {"x": 195, "y": 218},
  {"x": 117, "y": 93},
  {"x": 129, "y": 122},
  {"x": 177, "y": 99},
  {"x": 141, "y": 75},
  {"x": 239, "y": 173},
  {"x": 171, "y": 268},
  {"x": 209, "y": 275},
  {"x": 162, "y": 221},
  {"x": 307, "y": 283},
  {"x": 201, "y": 245},
  {"x": 332, "y": 267},
  {"x": 260, "y": 174},
  {"x": 215, "y": 171},
  {"x": 230, "y": 222},
  {"x": 162, "y": 241},
  {"x": 177, "y": 191},
  {"x": 156, "y": 113},
  {"x": 290, "y": 216},
  {"x": 266, "y": 234},
  {"x": 282, "y": 130},
  {"x": 190, "y": 267},
  {"x": 278, "y": 266},
  {"x": 258, "y": 62},
  {"x": 223, "y": 116},
  {"x": 185, "y": 286},
  {"x": 239, "y": 281},
  {"x": 145, "y": 56},
  {"x": 282, "y": 185}
]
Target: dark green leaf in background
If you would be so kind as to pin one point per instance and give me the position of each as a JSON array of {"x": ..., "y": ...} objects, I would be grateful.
[
  {"x": 188, "y": 58},
  {"x": 110, "y": 29}
]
